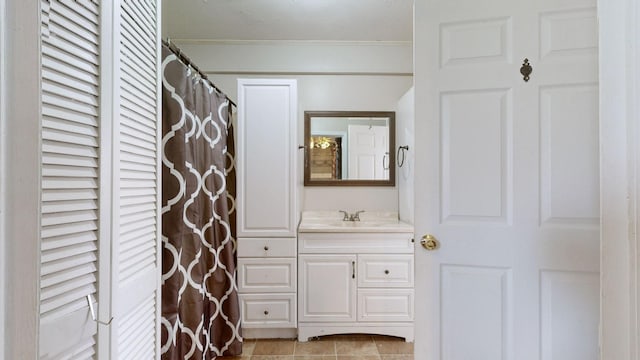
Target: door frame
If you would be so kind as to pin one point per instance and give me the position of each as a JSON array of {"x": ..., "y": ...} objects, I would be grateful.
[
  {"x": 21, "y": 177},
  {"x": 3, "y": 153},
  {"x": 619, "y": 184}
]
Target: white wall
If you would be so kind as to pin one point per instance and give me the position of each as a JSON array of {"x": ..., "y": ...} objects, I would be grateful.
[
  {"x": 350, "y": 76},
  {"x": 405, "y": 135},
  {"x": 300, "y": 57},
  {"x": 3, "y": 170}
]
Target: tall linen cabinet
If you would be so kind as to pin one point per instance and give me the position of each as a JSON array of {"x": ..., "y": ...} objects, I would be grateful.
[{"x": 267, "y": 206}]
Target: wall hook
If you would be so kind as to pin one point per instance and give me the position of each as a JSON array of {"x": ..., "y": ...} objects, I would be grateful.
[{"x": 401, "y": 151}]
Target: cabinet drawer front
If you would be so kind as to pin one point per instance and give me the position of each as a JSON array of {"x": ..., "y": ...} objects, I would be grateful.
[
  {"x": 271, "y": 275},
  {"x": 354, "y": 243},
  {"x": 268, "y": 310},
  {"x": 385, "y": 305},
  {"x": 267, "y": 247},
  {"x": 385, "y": 271}
]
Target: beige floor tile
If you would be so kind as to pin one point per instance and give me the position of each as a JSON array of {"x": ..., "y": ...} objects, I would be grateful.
[
  {"x": 358, "y": 357},
  {"x": 327, "y": 347},
  {"x": 273, "y": 347},
  {"x": 247, "y": 347},
  {"x": 356, "y": 347},
  {"x": 314, "y": 357},
  {"x": 272, "y": 357},
  {"x": 396, "y": 357},
  {"x": 394, "y": 347}
]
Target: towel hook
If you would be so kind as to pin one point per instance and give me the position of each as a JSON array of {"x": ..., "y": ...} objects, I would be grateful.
[{"x": 401, "y": 151}]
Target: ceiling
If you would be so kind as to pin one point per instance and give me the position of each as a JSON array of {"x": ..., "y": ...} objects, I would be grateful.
[{"x": 318, "y": 20}]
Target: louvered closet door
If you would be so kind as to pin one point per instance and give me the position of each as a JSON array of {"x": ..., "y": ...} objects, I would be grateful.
[
  {"x": 69, "y": 225},
  {"x": 136, "y": 249}
]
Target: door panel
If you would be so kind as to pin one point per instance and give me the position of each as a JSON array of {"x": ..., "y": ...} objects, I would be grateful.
[
  {"x": 476, "y": 142},
  {"x": 70, "y": 161},
  {"x": 509, "y": 179},
  {"x": 135, "y": 249},
  {"x": 476, "y": 312},
  {"x": 569, "y": 112},
  {"x": 569, "y": 298}
]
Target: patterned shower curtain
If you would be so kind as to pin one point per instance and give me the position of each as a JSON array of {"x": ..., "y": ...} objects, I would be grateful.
[{"x": 200, "y": 309}]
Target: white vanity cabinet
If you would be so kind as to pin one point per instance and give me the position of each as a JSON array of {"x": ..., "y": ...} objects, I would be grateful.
[
  {"x": 266, "y": 206},
  {"x": 353, "y": 279}
]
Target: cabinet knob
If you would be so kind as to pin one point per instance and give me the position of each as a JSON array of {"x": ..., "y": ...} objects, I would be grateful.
[
  {"x": 266, "y": 248},
  {"x": 386, "y": 272},
  {"x": 266, "y": 312}
]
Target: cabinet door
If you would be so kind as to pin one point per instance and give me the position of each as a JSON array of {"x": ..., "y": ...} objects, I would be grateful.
[
  {"x": 266, "y": 166},
  {"x": 327, "y": 288}
]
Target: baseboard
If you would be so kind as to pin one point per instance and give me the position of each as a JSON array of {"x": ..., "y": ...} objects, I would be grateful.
[{"x": 291, "y": 333}]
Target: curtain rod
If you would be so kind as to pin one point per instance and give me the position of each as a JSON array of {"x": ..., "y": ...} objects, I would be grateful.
[{"x": 176, "y": 51}]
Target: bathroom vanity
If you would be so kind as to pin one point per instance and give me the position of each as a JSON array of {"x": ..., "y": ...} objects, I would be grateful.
[{"x": 355, "y": 276}]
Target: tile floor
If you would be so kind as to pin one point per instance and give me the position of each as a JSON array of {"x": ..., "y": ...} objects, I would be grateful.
[{"x": 333, "y": 347}]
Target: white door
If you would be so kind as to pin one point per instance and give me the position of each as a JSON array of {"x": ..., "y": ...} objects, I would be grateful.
[
  {"x": 70, "y": 166},
  {"x": 135, "y": 249},
  {"x": 507, "y": 180},
  {"x": 368, "y": 157},
  {"x": 327, "y": 288}
]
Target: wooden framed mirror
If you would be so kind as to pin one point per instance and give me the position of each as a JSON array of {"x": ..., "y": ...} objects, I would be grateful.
[{"x": 349, "y": 148}]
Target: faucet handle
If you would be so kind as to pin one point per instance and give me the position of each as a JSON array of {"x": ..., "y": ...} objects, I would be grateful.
[
  {"x": 356, "y": 216},
  {"x": 346, "y": 215}
]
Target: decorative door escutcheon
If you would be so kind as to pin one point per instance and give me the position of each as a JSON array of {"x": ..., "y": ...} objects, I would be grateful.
[{"x": 526, "y": 70}]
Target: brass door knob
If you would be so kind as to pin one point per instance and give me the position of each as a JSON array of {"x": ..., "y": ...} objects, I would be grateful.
[{"x": 429, "y": 242}]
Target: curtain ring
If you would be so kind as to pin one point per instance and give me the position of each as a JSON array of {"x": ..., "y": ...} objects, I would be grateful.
[{"x": 401, "y": 151}]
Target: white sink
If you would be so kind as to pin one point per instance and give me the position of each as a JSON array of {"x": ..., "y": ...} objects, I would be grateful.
[{"x": 331, "y": 221}]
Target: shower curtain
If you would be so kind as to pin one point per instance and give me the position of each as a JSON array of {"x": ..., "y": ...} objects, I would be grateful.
[{"x": 200, "y": 309}]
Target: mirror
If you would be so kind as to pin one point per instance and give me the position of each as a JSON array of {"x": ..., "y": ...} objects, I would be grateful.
[{"x": 349, "y": 148}]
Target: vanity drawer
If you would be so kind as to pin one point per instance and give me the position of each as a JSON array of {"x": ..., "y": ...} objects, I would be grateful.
[
  {"x": 268, "y": 310},
  {"x": 385, "y": 271},
  {"x": 267, "y": 275},
  {"x": 266, "y": 247},
  {"x": 355, "y": 242},
  {"x": 385, "y": 305}
]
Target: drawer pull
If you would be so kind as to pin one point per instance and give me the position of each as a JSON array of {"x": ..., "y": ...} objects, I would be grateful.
[
  {"x": 266, "y": 312},
  {"x": 353, "y": 269},
  {"x": 386, "y": 272},
  {"x": 266, "y": 248}
]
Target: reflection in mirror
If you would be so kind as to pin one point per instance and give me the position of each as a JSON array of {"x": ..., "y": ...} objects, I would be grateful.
[{"x": 347, "y": 148}]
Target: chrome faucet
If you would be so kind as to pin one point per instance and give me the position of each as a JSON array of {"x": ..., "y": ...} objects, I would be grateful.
[
  {"x": 352, "y": 217},
  {"x": 356, "y": 216}
]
